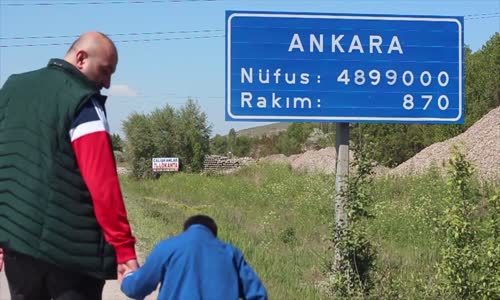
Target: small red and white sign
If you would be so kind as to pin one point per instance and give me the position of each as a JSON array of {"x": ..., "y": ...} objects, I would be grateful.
[{"x": 165, "y": 164}]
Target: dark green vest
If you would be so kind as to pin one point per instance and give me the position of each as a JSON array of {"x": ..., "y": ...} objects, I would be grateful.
[{"x": 45, "y": 207}]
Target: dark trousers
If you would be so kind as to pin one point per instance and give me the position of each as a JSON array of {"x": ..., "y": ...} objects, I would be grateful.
[{"x": 33, "y": 279}]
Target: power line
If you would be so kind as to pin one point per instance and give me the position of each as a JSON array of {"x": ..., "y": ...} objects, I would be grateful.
[
  {"x": 170, "y": 39},
  {"x": 101, "y": 2},
  {"x": 172, "y": 96},
  {"x": 484, "y": 17},
  {"x": 486, "y": 14},
  {"x": 120, "y": 41},
  {"x": 467, "y": 17},
  {"x": 112, "y": 34}
]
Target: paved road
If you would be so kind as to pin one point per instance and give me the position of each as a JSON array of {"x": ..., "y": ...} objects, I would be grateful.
[
  {"x": 4, "y": 288},
  {"x": 111, "y": 290}
]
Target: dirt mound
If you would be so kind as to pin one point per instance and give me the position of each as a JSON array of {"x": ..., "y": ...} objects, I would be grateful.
[
  {"x": 313, "y": 161},
  {"x": 316, "y": 161},
  {"x": 481, "y": 143}
]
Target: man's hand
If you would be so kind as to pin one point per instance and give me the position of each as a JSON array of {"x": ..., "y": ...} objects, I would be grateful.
[
  {"x": 127, "y": 267},
  {"x": 1, "y": 259}
]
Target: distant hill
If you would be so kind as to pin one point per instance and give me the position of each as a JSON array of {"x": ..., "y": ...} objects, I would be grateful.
[{"x": 271, "y": 129}]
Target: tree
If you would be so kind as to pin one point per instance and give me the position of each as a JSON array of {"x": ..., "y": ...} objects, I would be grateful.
[
  {"x": 482, "y": 80},
  {"x": 231, "y": 140},
  {"x": 299, "y": 132},
  {"x": 219, "y": 145},
  {"x": 243, "y": 146},
  {"x": 140, "y": 147},
  {"x": 165, "y": 137},
  {"x": 167, "y": 132},
  {"x": 198, "y": 158},
  {"x": 116, "y": 142},
  {"x": 296, "y": 135},
  {"x": 192, "y": 129}
]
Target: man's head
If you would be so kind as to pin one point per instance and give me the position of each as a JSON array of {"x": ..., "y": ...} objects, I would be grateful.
[
  {"x": 95, "y": 55},
  {"x": 203, "y": 220}
]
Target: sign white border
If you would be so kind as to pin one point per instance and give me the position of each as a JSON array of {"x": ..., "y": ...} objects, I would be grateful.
[
  {"x": 333, "y": 118},
  {"x": 167, "y": 159}
]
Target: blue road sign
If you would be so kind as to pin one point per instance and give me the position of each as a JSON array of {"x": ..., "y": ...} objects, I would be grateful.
[{"x": 344, "y": 68}]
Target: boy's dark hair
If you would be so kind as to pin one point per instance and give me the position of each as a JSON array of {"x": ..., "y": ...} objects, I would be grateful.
[{"x": 203, "y": 220}]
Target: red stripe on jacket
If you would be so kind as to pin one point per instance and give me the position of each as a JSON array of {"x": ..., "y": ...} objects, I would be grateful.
[{"x": 97, "y": 166}]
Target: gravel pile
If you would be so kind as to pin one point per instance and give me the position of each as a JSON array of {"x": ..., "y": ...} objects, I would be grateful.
[{"x": 481, "y": 143}]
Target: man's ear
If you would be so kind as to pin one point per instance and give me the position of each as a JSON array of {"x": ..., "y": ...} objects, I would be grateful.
[{"x": 81, "y": 57}]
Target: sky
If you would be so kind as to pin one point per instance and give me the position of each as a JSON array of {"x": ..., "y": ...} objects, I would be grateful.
[{"x": 172, "y": 50}]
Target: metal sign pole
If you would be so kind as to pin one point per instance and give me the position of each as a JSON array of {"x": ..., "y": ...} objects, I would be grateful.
[{"x": 341, "y": 184}]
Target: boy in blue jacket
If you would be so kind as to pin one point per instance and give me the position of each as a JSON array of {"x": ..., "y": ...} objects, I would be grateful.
[{"x": 195, "y": 265}]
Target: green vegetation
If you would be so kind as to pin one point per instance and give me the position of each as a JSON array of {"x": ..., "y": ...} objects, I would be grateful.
[
  {"x": 278, "y": 219},
  {"x": 167, "y": 132},
  {"x": 354, "y": 259},
  {"x": 425, "y": 237},
  {"x": 283, "y": 223},
  {"x": 470, "y": 265},
  {"x": 294, "y": 140},
  {"x": 116, "y": 142}
]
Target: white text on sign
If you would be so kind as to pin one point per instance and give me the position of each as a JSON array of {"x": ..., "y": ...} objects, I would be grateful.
[{"x": 317, "y": 43}]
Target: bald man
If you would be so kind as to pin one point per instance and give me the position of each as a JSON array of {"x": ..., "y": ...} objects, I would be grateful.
[{"x": 63, "y": 223}]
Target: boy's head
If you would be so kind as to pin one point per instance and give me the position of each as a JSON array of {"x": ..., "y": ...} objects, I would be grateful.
[{"x": 202, "y": 220}]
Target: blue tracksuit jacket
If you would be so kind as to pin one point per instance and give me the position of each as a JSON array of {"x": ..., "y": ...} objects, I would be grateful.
[{"x": 195, "y": 265}]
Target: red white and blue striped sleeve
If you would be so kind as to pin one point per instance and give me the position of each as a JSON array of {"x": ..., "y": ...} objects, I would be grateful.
[{"x": 91, "y": 143}]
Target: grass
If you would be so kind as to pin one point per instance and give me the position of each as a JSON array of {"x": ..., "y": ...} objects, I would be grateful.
[{"x": 281, "y": 220}]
